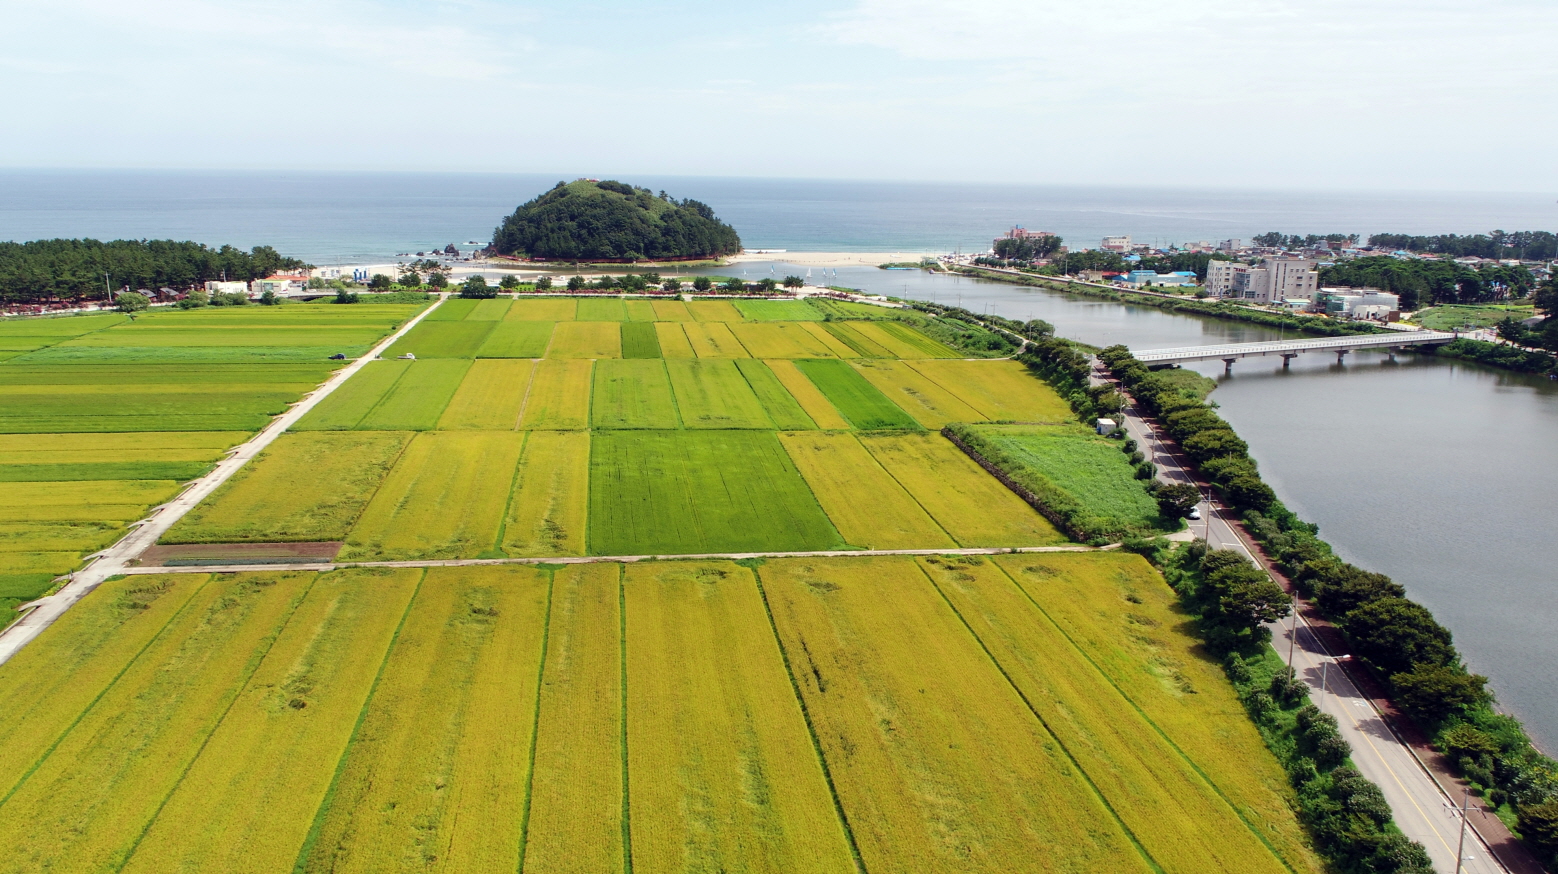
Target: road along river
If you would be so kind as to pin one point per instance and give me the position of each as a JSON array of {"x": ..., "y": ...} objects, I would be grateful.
[{"x": 1439, "y": 473}]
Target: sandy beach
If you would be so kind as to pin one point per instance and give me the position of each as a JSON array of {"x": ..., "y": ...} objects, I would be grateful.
[{"x": 833, "y": 259}]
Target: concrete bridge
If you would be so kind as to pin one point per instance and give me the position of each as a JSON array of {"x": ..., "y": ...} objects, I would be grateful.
[{"x": 1290, "y": 349}]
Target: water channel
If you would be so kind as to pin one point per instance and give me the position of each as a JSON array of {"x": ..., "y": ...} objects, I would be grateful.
[{"x": 1436, "y": 472}]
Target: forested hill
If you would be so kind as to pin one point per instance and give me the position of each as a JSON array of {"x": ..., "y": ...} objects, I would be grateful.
[
  {"x": 610, "y": 221},
  {"x": 45, "y": 270}
]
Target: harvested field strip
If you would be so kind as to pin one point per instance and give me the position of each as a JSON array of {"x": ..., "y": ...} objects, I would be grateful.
[
  {"x": 632, "y": 394},
  {"x": 279, "y": 744},
  {"x": 559, "y": 396},
  {"x": 864, "y": 346},
  {"x": 349, "y": 403},
  {"x": 445, "y": 498},
  {"x": 859, "y": 401},
  {"x": 88, "y": 802},
  {"x": 493, "y": 310},
  {"x": 1117, "y": 611},
  {"x": 640, "y": 340},
  {"x": 671, "y": 311},
  {"x": 454, "y": 309},
  {"x": 724, "y": 774},
  {"x": 441, "y": 756},
  {"x": 181, "y": 471},
  {"x": 304, "y": 487},
  {"x": 817, "y": 406},
  {"x": 678, "y": 492},
  {"x": 577, "y": 811},
  {"x": 902, "y": 340},
  {"x": 836, "y": 347},
  {"x": 601, "y": 309},
  {"x": 586, "y": 340},
  {"x": 841, "y": 473},
  {"x": 491, "y": 396},
  {"x": 778, "y": 310},
  {"x": 517, "y": 340},
  {"x": 970, "y": 504},
  {"x": 442, "y": 339},
  {"x": 714, "y": 340},
  {"x": 713, "y": 394},
  {"x": 84, "y": 501},
  {"x": 673, "y": 341},
  {"x": 938, "y": 763},
  {"x": 53, "y": 681},
  {"x": 1176, "y": 815},
  {"x": 550, "y": 505},
  {"x": 419, "y": 397},
  {"x": 640, "y": 310},
  {"x": 929, "y": 404},
  {"x": 713, "y": 311},
  {"x": 780, "y": 340},
  {"x": 1002, "y": 391},
  {"x": 780, "y": 405},
  {"x": 548, "y": 309}
]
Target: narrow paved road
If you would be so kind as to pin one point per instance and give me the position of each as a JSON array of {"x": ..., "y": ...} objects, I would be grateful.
[
  {"x": 1421, "y": 808},
  {"x": 143, "y": 534}
]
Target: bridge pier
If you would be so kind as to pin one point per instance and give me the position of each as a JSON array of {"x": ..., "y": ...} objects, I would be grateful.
[
  {"x": 1287, "y": 358},
  {"x": 1341, "y": 356},
  {"x": 1228, "y": 364}
]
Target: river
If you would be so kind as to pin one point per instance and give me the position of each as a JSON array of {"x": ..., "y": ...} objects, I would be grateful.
[{"x": 1436, "y": 472}]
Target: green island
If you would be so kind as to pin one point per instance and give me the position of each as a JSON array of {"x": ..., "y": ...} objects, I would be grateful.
[{"x": 610, "y": 221}]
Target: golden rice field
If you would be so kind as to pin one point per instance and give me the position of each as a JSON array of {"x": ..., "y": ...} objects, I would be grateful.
[
  {"x": 839, "y": 470},
  {"x": 558, "y": 398},
  {"x": 713, "y": 340},
  {"x": 550, "y": 506},
  {"x": 939, "y": 714},
  {"x": 491, "y": 396},
  {"x": 586, "y": 339},
  {"x": 968, "y": 503},
  {"x": 1001, "y": 391},
  {"x": 446, "y": 498}
]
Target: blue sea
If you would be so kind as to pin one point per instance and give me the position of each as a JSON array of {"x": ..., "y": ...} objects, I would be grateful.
[{"x": 337, "y": 218}]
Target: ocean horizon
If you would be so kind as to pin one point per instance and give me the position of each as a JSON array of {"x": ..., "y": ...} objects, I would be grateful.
[{"x": 352, "y": 217}]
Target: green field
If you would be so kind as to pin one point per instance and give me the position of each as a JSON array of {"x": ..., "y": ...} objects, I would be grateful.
[
  {"x": 640, "y": 339},
  {"x": 523, "y": 339},
  {"x": 778, "y": 310},
  {"x": 443, "y": 339},
  {"x": 632, "y": 394},
  {"x": 858, "y": 400},
  {"x": 1452, "y": 316},
  {"x": 714, "y": 394},
  {"x": 1089, "y": 469},
  {"x": 699, "y": 491}
]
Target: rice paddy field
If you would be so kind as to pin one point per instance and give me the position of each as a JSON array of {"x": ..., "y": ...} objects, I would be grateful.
[
  {"x": 940, "y": 713},
  {"x": 822, "y": 398},
  {"x": 103, "y": 417},
  {"x": 828, "y": 713}
]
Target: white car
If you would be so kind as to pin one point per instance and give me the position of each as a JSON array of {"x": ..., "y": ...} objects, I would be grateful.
[{"x": 1195, "y": 514}]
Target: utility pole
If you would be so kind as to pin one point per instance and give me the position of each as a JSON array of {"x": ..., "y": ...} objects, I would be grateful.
[
  {"x": 1463, "y": 810},
  {"x": 1293, "y": 636}
]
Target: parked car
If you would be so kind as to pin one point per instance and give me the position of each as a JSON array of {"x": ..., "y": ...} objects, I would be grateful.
[
  {"x": 1195, "y": 514},
  {"x": 339, "y": 356}
]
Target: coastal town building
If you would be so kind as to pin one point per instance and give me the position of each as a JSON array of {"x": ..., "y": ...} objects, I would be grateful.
[
  {"x": 227, "y": 287},
  {"x": 1140, "y": 278},
  {"x": 1358, "y": 303},
  {"x": 1275, "y": 279},
  {"x": 1116, "y": 244},
  {"x": 281, "y": 283}
]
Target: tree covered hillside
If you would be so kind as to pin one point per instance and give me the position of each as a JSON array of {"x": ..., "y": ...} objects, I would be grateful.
[{"x": 604, "y": 221}]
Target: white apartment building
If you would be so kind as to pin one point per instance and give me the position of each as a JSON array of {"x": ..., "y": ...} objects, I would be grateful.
[
  {"x": 1116, "y": 244},
  {"x": 1276, "y": 279}
]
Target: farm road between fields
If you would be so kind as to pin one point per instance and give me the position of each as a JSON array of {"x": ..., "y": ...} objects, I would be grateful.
[
  {"x": 144, "y": 534},
  {"x": 593, "y": 559}
]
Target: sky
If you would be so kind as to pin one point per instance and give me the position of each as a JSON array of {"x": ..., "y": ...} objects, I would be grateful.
[{"x": 1379, "y": 94}]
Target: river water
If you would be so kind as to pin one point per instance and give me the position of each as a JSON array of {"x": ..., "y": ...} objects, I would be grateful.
[{"x": 1439, "y": 473}]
